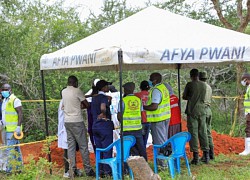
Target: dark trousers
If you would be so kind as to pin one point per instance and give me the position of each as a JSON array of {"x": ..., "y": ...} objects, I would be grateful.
[
  {"x": 90, "y": 123},
  {"x": 145, "y": 133},
  {"x": 65, "y": 160},
  {"x": 103, "y": 138},
  {"x": 138, "y": 149}
]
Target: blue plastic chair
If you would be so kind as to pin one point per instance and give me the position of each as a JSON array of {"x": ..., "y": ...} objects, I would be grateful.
[
  {"x": 115, "y": 162},
  {"x": 178, "y": 143}
]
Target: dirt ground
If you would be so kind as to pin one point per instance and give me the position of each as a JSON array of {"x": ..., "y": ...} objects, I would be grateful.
[{"x": 223, "y": 144}]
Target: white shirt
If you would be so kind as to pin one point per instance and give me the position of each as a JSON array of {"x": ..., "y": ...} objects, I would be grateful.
[
  {"x": 62, "y": 134},
  {"x": 89, "y": 99},
  {"x": 17, "y": 103}
]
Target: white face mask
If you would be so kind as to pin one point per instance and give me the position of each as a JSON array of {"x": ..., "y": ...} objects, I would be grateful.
[{"x": 244, "y": 82}]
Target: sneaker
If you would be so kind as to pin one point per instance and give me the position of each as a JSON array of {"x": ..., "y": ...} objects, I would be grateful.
[
  {"x": 66, "y": 175},
  {"x": 78, "y": 173},
  {"x": 91, "y": 173}
]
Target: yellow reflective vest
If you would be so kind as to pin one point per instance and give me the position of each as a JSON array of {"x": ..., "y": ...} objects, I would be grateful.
[
  {"x": 132, "y": 113},
  {"x": 11, "y": 116},
  {"x": 247, "y": 101},
  {"x": 163, "y": 112}
]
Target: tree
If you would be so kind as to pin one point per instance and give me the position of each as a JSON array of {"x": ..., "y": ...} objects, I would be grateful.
[
  {"x": 29, "y": 29},
  {"x": 242, "y": 20}
]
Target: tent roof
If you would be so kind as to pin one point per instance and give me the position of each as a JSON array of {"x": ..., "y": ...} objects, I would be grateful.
[{"x": 152, "y": 39}]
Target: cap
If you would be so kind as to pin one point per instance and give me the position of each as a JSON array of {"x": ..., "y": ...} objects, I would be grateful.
[
  {"x": 6, "y": 86},
  {"x": 203, "y": 75},
  {"x": 129, "y": 86},
  {"x": 95, "y": 81},
  {"x": 100, "y": 84},
  {"x": 112, "y": 88}
]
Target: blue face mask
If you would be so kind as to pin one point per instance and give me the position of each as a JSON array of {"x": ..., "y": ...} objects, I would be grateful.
[
  {"x": 5, "y": 94},
  {"x": 150, "y": 83}
]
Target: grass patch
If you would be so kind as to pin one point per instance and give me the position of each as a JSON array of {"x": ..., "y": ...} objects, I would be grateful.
[{"x": 224, "y": 167}]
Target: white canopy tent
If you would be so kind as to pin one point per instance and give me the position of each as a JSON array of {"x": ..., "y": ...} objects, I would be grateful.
[
  {"x": 148, "y": 40},
  {"x": 152, "y": 39}
]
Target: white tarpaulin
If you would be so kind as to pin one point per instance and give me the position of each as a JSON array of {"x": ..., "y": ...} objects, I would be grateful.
[{"x": 152, "y": 39}]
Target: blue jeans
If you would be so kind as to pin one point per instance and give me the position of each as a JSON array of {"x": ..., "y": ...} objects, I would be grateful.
[{"x": 10, "y": 141}]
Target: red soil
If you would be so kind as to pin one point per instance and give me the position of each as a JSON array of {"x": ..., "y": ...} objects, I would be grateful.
[{"x": 223, "y": 144}]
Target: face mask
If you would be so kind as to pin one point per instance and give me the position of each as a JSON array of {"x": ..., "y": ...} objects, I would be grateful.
[
  {"x": 244, "y": 82},
  {"x": 150, "y": 83},
  {"x": 5, "y": 94}
]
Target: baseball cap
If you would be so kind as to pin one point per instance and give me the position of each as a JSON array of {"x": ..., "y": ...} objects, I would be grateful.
[
  {"x": 129, "y": 86},
  {"x": 100, "y": 84},
  {"x": 203, "y": 75}
]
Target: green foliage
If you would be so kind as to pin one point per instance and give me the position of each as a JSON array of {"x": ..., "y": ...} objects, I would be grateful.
[
  {"x": 29, "y": 29},
  {"x": 36, "y": 168}
]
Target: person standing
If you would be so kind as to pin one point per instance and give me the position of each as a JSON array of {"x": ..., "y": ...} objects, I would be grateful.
[
  {"x": 245, "y": 81},
  {"x": 194, "y": 93},
  {"x": 12, "y": 116},
  {"x": 92, "y": 92},
  {"x": 158, "y": 111},
  {"x": 143, "y": 95},
  {"x": 62, "y": 142},
  {"x": 102, "y": 125},
  {"x": 130, "y": 115},
  {"x": 208, "y": 98},
  {"x": 2, "y": 140},
  {"x": 73, "y": 100},
  {"x": 175, "y": 121},
  {"x": 115, "y": 99}
]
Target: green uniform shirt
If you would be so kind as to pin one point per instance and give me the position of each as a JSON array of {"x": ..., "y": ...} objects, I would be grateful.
[
  {"x": 208, "y": 96},
  {"x": 195, "y": 93}
]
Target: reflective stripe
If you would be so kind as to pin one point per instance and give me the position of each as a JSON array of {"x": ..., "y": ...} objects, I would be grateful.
[
  {"x": 164, "y": 105},
  {"x": 11, "y": 113},
  {"x": 174, "y": 105},
  {"x": 132, "y": 113},
  {"x": 11, "y": 116},
  {"x": 133, "y": 127},
  {"x": 11, "y": 123},
  {"x": 131, "y": 118},
  {"x": 163, "y": 111},
  {"x": 158, "y": 115}
]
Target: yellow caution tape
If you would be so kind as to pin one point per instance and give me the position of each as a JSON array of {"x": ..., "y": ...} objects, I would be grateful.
[
  {"x": 216, "y": 97},
  {"x": 51, "y": 138},
  {"x": 51, "y": 100}
]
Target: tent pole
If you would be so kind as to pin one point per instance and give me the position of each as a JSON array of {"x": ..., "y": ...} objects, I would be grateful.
[
  {"x": 179, "y": 85},
  {"x": 120, "y": 60},
  {"x": 45, "y": 114}
]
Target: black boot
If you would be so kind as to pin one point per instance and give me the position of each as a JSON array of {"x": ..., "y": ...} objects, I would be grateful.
[
  {"x": 195, "y": 160},
  {"x": 205, "y": 158},
  {"x": 211, "y": 153}
]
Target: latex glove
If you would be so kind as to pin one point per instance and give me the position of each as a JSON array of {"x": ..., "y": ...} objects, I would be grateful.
[
  {"x": 1, "y": 125},
  {"x": 18, "y": 130}
]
